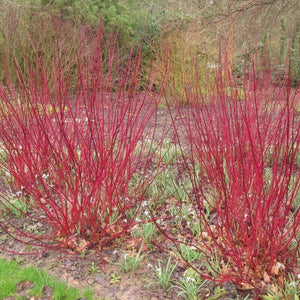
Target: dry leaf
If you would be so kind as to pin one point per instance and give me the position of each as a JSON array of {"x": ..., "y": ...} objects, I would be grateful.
[
  {"x": 205, "y": 236},
  {"x": 133, "y": 243},
  {"x": 24, "y": 285},
  {"x": 225, "y": 270},
  {"x": 280, "y": 281},
  {"x": 246, "y": 270},
  {"x": 48, "y": 292},
  {"x": 180, "y": 262},
  {"x": 72, "y": 244},
  {"x": 114, "y": 229},
  {"x": 172, "y": 200},
  {"x": 246, "y": 286},
  {"x": 266, "y": 277},
  {"x": 262, "y": 284},
  {"x": 258, "y": 269},
  {"x": 275, "y": 270},
  {"x": 273, "y": 288},
  {"x": 81, "y": 244}
]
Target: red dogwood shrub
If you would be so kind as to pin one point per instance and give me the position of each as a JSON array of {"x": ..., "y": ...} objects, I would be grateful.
[
  {"x": 73, "y": 159},
  {"x": 245, "y": 142}
]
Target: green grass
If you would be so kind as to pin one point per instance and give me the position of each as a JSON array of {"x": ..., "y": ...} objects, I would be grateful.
[{"x": 11, "y": 273}]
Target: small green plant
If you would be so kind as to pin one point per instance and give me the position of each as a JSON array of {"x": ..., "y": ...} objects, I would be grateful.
[
  {"x": 83, "y": 253},
  {"x": 215, "y": 265},
  {"x": 15, "y": 206},
  {"x": 296, "y": 203},
  {"x": 28, "y": 248},
  {"x": 189, "y": 253},
  {"x": 131, "y": 263},
  {"x": 4, "y": 237},
  {"x": 291, "y": 290},
  {"x": 147, "y": 232},
  {"x": 218, "y": 293},
  {"x": 164, "y": 275},
  {"x": 190, "y": 285},
  {"x": 166, "y": 185},
  {"x": 93, "y": 268},
  {"x": 143, "y": 148},
  {"x": 170, "y": 152},
  {"x": 53, "y": 265},
  {"x": 114, "y": 278},
  {"x": 189, "y": 214}
]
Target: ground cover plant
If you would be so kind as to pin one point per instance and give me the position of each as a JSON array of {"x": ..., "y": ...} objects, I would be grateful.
[{"x": 33, "y": 282}]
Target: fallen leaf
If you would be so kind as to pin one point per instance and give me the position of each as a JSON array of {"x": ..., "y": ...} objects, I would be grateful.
[
  {"x": 258, "y": 269},
  {"x": 72, "y": 244},
  {"x": 82, "y": 244},
  {"x": 280, "y": 281},
  {"x": 273, "y": 288},
  {"x": 266, "y": 277},
  {"x": 24, "y": 285},
  {"x": 262, "y": 284},
  {"x": 246, "y": 286},
  {"x": 246, "y": 270},
  {"x": 172, "y": 200},
  {"x": 225, "y": 270},
  {"x": 133, "y": 243},
  {"x": 275, "y": 270},
  {"x": 47, "y": 291},
  {"x": 205, "y": 236},
  {"x": 114, "y": 230},
  {"x": 180, "y": 262}
]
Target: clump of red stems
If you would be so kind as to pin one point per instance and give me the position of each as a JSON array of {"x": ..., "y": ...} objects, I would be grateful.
[
  {"x": 77, "y": 161},
  {"x": 245, "y": 142}
]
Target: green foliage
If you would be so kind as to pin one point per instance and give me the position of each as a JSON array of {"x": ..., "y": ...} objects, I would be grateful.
[
  {"x": 170, "y": 152},
  {"x": 16, "y": 206},
  {"x": 93, "y": 268},
  {"x": 11, "y": 274},
  {"x": 190, "y": 285},
  {"x": 218, "y": 292},
  {"x": 147, "y": 232},
  {"x": 189, "y": 253},
  {"x": 164, "y": 275},
  {"x": 291, "y": 290},
  {"x": 131, "y": 263},
  {"x": 294, "y": 54},
  {"x": 166, "y": 184},
  {"x": 189, "y": 215},
  {"x": 127, "y": 17},
  {"x": 114, "y": 278}
]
